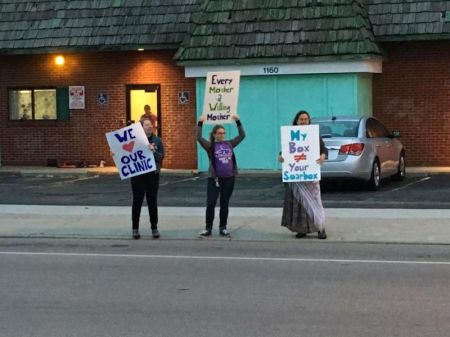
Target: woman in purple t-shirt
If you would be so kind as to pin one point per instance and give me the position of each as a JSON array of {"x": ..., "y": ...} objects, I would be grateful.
[{"x": 221, "y": 172}]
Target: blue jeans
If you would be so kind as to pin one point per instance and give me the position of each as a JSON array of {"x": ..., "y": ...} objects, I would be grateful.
[{"x": 225, "y": 189}]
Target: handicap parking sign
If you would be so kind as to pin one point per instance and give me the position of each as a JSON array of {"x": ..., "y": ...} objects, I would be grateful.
[
  {"x": 102, "y": 98},
  {"x": 183, "y": 97}
]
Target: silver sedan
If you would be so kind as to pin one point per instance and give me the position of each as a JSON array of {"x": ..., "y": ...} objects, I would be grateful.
[{"x": 361, "y": 148}]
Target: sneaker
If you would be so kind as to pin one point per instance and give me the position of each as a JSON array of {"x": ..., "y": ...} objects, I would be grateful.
[
  {"x": 155, "y": 234},
  {"x": 205, "y": 233},
  {"x": 224, "y": 232},
  {"x": 322, "y": 235},
  {"x": 136, "y": 234}
]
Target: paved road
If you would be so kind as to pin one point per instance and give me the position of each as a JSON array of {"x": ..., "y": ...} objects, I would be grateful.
[
  {"x": 222, "y": 288},
  {"x": 264, "y": 191}
]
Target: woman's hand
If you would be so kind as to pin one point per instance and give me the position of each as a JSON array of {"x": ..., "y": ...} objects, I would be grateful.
[
  {"x": 202, "y": 118},
  {"x": 152, "y": 147},
  {"x": 321, "y": 159},
  {"x": 280, "y": 158},
  {"x": 235, "y": 117}
]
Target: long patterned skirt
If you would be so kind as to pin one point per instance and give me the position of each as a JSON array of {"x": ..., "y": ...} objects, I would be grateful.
[{"x": 302, "y": 209}]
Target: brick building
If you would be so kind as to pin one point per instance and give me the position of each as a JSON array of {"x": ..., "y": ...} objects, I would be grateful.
[
  {"x": 121, "y": 52},
  {"x": 387, "y": 58},
  {"x": 412, "y": 94}
]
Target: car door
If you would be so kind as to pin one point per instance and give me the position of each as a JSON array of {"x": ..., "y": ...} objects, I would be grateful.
[
  {"x": 390, "y": 148},
  {"x": 381, "y": 144}
]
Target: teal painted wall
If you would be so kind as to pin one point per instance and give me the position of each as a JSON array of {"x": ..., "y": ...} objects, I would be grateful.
[
  {"x": 266, "y": 103},
  {"x": 364, "y": 94}
]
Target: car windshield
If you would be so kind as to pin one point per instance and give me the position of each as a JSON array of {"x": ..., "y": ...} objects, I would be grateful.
[{"x": 338, "y": 128}]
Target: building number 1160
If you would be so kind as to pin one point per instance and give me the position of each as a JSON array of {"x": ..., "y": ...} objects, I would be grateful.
[{"x": 270, "y": 70}]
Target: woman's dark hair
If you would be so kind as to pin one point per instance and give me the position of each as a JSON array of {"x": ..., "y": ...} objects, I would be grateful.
[
  {"x": 301, "y": 112},
  {"x": 212, "y": 140}
]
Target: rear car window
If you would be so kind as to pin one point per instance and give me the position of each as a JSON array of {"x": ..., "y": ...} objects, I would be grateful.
[
  {"x": 374, "y": 129},
  {"x": 338, "y": 128}
]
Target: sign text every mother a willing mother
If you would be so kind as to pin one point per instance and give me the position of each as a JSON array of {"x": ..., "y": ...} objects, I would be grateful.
[{"x": 221, "y": 96}]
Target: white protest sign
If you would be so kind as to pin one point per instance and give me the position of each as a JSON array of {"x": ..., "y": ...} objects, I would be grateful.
[
  {"x": 221, "y": 96},
  {"x": 300, "y": 148},
  {"x": 131, "y": 153}
]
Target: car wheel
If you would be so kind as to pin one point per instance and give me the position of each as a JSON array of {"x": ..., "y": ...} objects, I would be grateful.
[
  {"x": 400, "y": 175},
  {"x": 375, "y": 177}
]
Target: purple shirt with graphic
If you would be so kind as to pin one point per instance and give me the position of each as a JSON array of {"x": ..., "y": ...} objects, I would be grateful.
[{"x": 223, "y": 155}]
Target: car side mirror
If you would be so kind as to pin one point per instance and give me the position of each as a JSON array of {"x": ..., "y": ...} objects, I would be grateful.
[{"x": 395, "y": 134}]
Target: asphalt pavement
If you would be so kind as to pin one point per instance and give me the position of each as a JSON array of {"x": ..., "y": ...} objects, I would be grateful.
[
  {"x": 104, "y": 288},
  {"x": 70, "y": 268},
  {"x": 47, "y": 186},
  {"x": 83, "y": 204}
]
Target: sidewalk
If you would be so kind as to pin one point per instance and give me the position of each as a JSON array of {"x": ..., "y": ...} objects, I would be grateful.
[{"x": 260, "y": 224}]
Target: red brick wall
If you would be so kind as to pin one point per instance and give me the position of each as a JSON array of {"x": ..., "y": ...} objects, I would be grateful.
[
  {"x": 82, "y": 137},
  {"x": 412, "y": 95}
]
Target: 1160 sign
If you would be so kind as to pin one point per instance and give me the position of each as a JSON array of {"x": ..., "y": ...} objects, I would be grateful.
[{"x": 270, "y": 70}]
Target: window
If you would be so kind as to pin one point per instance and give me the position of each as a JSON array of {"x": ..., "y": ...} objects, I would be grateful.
[
  {"x": 339, "y": 129},
  {"x": 38, "y": 104},
  {"x": 375, "y": 129}
]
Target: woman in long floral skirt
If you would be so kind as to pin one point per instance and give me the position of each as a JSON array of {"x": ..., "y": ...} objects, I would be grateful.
[{"x": 303, "y": 212}]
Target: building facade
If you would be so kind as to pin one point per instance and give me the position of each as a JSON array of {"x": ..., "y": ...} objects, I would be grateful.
[
  {"x": 386, "y": 58},
  {"x": 293, "y": 56},
  {"x": 118, "y": 55}
]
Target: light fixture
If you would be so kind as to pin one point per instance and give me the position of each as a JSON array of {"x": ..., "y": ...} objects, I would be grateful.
[
  {"x": 59, "y": 60},
  {"x": 140, "y": 49}
]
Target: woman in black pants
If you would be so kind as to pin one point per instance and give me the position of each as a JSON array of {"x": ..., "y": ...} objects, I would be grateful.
[
  {"x": 146, "y": 185},
  {"x": 221, "y": 173}
]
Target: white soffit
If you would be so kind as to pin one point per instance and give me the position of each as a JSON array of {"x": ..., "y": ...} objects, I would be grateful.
[{"x": 274, "y": 69}]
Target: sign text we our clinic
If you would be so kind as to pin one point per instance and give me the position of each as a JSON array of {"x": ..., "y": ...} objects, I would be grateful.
[
  {"x": 131, "y": 153},
  {"x": 300, "y": 150}
]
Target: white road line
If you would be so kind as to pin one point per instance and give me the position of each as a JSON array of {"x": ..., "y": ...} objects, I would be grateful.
[
  {"x": 63, "y": 182},
  {"x": 178, "y": 181},
  {"x": 412, "y": 183},
  {"x": 226, "y": 258}
]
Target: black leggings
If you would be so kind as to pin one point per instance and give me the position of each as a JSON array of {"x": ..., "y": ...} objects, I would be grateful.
[
  {"x": 225, "y": 189},
  {"x": 145, "y": 185}
]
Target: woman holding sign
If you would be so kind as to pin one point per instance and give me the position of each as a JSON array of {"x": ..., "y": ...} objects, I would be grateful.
[
  {"x": 302, "y": 209},
  {"x": 222, "y": 170},
  {"x": 146, "y": 185}
]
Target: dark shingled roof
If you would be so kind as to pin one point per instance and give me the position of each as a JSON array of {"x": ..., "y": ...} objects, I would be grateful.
[
  {"x": 281, "y": 30},
  {"x": 226, "y": 30},
  {"x": 402, "y": 20},
  {"x": 46, "y": 25}
]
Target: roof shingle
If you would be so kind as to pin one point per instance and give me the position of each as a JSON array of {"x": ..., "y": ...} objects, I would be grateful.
[
  {"x": 44, "y": 25},
  {"x": 295, "y": 29},
  {"x": 402, "y": 20}
]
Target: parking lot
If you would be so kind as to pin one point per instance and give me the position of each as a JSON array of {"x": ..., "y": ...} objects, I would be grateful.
[{"x": 416, "y": 191}]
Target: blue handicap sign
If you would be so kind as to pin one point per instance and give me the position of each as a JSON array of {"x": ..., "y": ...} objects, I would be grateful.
[{"x": 102, "y": 98}]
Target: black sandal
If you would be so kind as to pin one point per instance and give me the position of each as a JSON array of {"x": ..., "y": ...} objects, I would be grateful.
[{"x": 322, "y": 235}]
